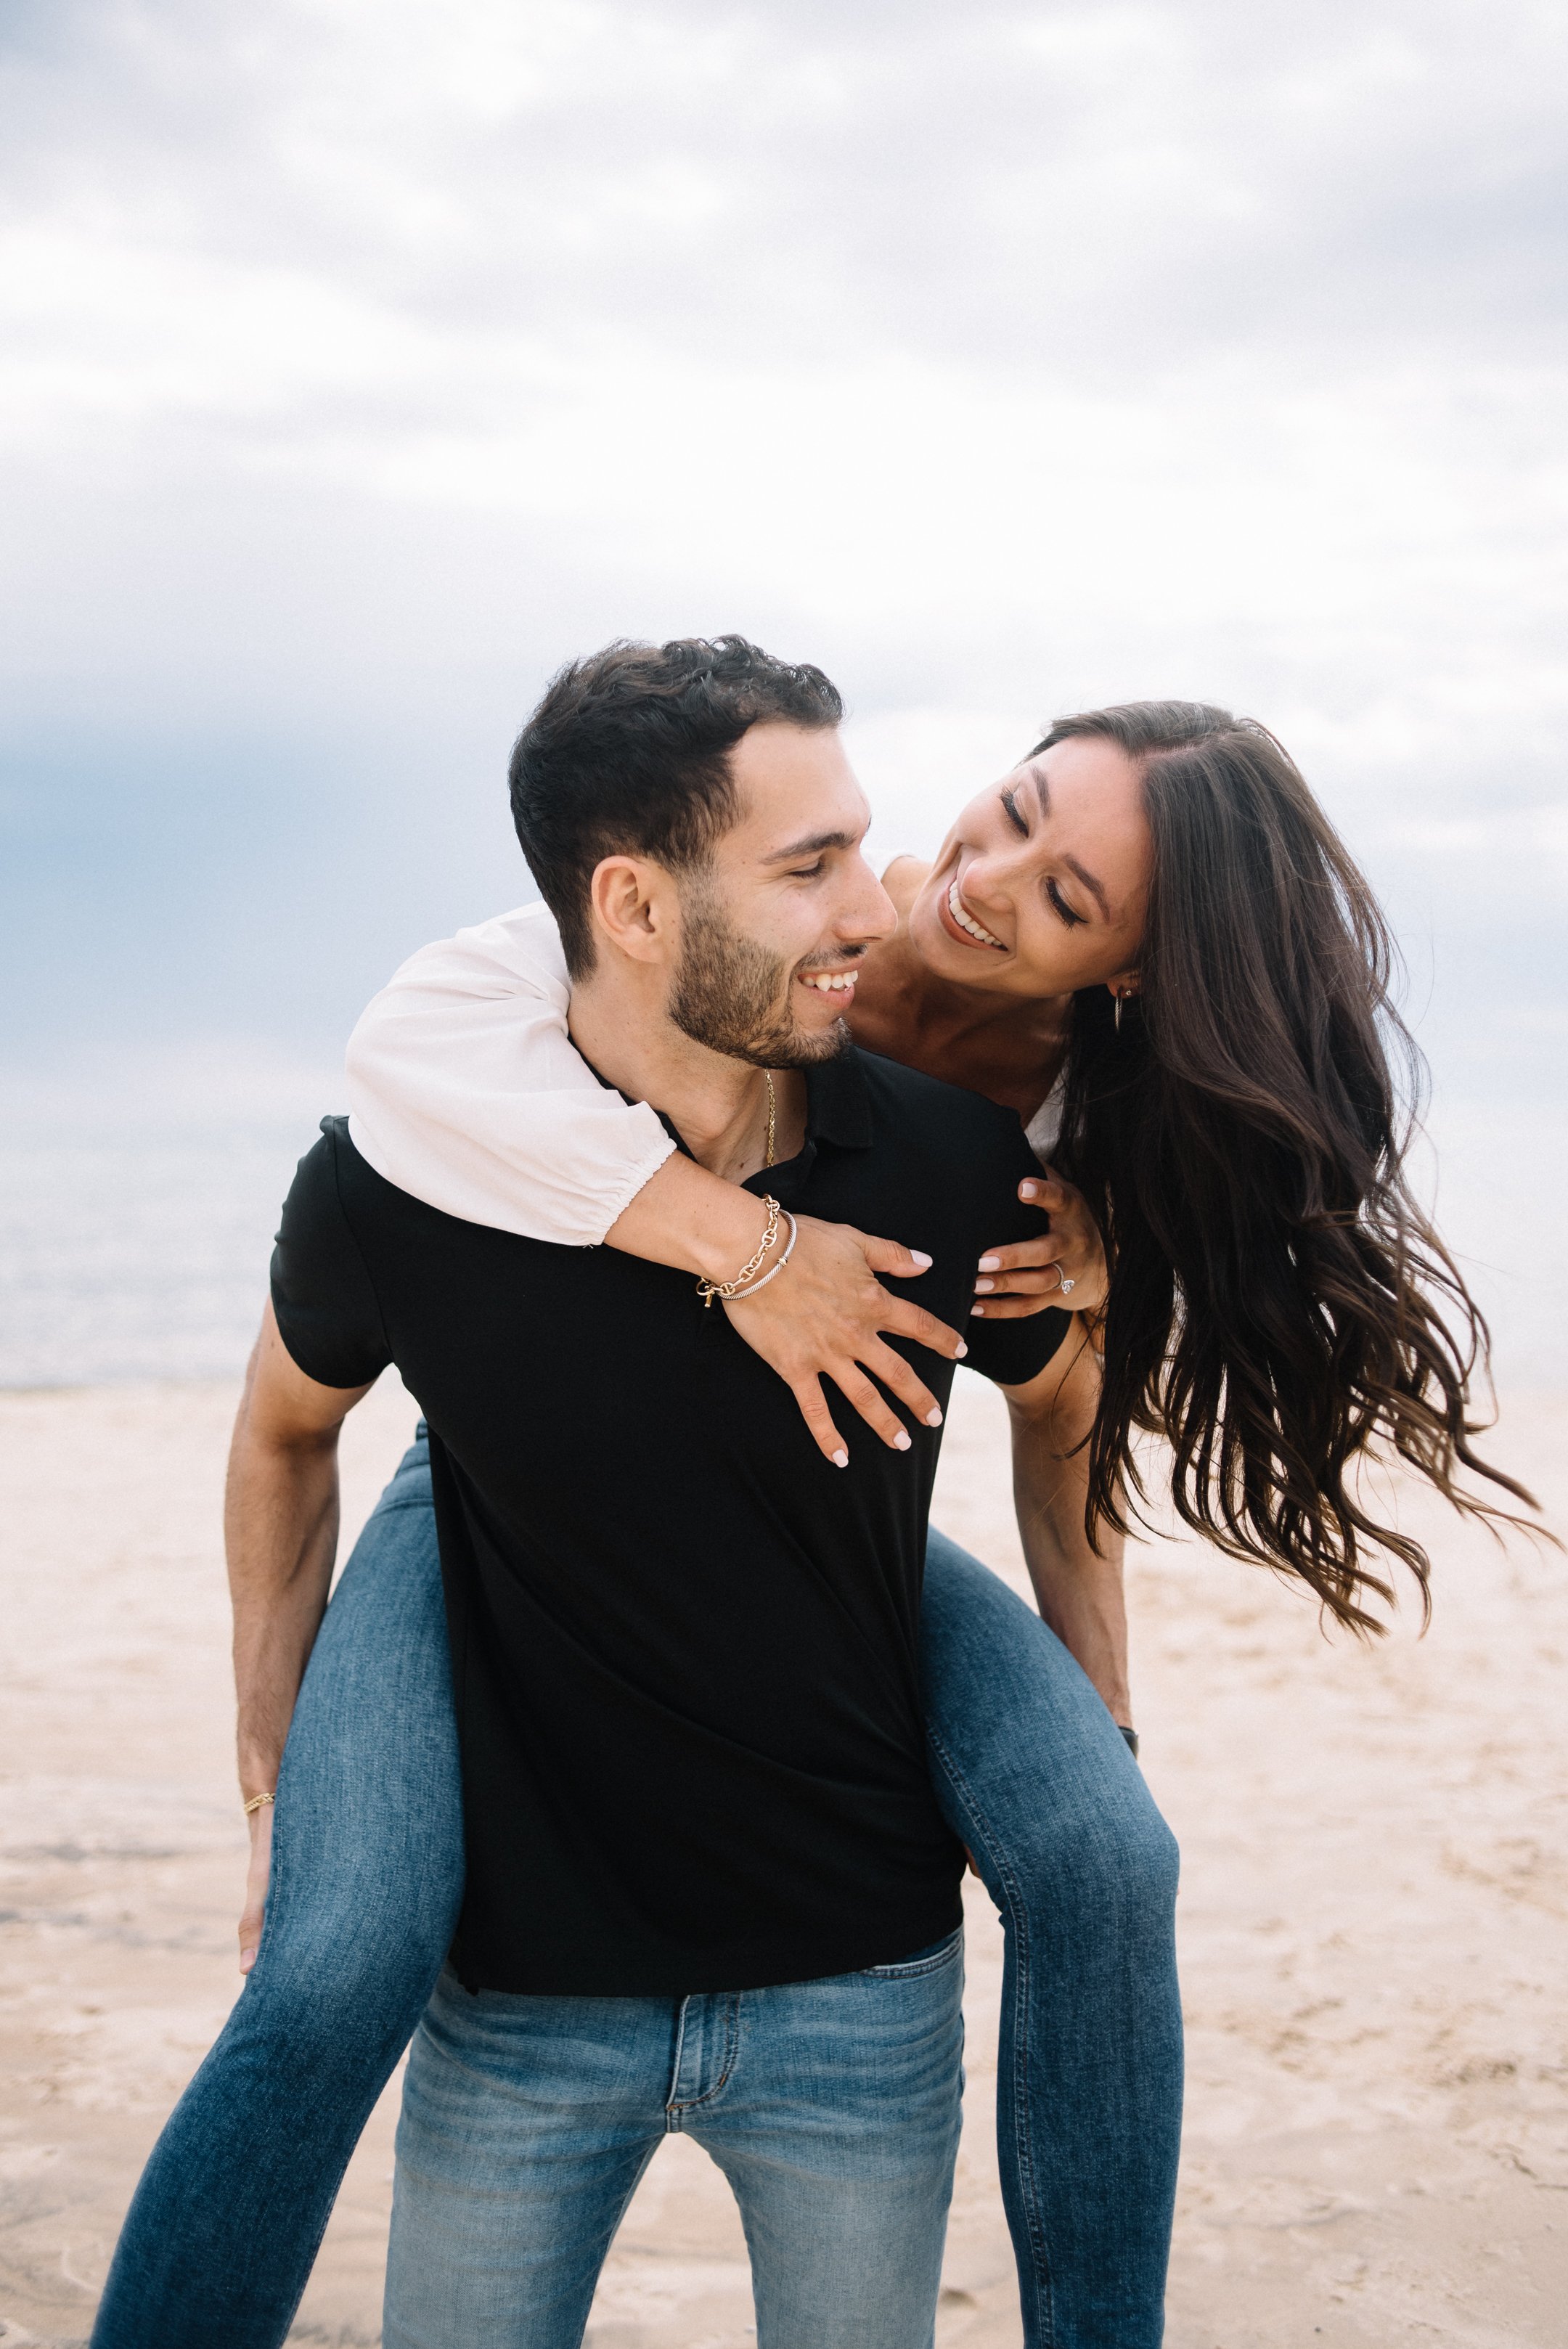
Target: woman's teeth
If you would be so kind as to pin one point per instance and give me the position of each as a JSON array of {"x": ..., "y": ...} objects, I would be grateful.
[
  {"x": 828, "y": 982},
  {"x": 966, "y": 921}
]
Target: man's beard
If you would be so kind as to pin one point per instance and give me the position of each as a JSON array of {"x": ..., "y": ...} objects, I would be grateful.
[{"x": 731, "y": 995}]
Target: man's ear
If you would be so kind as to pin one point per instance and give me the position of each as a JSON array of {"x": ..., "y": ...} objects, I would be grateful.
[{"x": 635, "y": 906}]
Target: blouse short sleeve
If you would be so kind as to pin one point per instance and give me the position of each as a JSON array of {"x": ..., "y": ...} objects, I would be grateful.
[{"x": 465, "y": 1090}]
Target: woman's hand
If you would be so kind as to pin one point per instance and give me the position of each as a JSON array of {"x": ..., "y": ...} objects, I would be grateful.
[
  {"x": 823, "y": 1318},
  {"x": 1032, "y": 1274}
]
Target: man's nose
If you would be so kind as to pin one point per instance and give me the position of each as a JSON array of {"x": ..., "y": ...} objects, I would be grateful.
[{"x": 869, "y": 913}]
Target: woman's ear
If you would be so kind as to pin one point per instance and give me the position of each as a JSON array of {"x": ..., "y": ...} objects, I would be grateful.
[{"x": 1126, "y": 982}]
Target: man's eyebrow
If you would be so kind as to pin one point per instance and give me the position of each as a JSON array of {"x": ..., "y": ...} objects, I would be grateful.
[
  {"x": 812, "y": 846},
  {"x": 1043, "y": 792}
]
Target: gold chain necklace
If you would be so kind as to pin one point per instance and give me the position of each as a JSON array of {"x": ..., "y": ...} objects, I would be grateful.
[{"x": 772, "y": 1115}]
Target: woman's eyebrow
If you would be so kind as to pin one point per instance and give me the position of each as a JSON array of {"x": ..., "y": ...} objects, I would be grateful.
[
  {"x": 1043, "y": 792},
  {"x": 1090, "y": 883}
]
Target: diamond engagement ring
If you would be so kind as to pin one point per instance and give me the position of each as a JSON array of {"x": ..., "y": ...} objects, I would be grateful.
[{"x": 1065, "y": 1285}]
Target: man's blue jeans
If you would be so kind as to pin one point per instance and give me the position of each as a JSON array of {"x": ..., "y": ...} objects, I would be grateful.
[
  {"x": 833, "y": 2107},
  {"x": 367, "y": 1879}
]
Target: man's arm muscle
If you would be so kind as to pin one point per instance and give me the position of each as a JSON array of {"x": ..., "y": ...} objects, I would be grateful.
[{"x": 280, "y": 1535}]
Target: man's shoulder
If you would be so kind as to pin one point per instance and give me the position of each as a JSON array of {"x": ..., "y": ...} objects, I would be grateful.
[
  {"x": 335, "y": 1166},
  {"x": 390, "y": 1224}
]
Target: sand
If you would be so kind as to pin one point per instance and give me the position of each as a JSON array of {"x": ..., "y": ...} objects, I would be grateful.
[{"x": 1374, "y": 1893}]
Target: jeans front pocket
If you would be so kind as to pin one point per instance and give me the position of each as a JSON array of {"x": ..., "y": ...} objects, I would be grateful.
[{"x": 922, "y": 1961}]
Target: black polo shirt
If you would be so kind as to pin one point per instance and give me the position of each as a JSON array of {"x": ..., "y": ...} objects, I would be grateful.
[{"x": 684, "y": 1645}]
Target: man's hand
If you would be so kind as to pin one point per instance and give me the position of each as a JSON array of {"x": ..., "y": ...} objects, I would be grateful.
[
  {"x": 257, "y": 1879},
  {"x": 280, "y": 1534},
  {"x": 1067, "y": 1267},
  {"x": 823, "y": 1317}
]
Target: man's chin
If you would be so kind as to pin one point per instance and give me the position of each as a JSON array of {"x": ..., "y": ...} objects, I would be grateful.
[{"x": 799, "y": 1047}]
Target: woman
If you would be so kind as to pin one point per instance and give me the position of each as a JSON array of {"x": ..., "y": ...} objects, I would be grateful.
[{"x": 1150, "y": 923}]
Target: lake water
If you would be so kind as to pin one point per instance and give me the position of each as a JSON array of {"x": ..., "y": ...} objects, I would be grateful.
[{"x": 137, "y": 1212}]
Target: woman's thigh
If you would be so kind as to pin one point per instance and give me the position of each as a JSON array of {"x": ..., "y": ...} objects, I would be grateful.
[
  {"x": 1028, "y": 1766},
  {"x": 368, "y": 1835}
]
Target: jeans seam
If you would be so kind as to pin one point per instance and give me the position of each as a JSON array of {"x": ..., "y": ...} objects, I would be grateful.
[
  {"x": 727, "y": 2062},
  {"x": 939, "y": 1958},
  {"x": 1028, "y": 2173}
]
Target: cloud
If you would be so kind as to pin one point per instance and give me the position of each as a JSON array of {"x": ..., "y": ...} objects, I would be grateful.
[{"x": 357, "y": 362}]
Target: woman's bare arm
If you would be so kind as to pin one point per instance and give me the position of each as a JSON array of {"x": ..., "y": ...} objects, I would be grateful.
[{"x": 826, "y": 1315}]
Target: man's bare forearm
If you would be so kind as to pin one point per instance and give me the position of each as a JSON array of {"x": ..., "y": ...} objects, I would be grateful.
[
  {"x": 1080, "y": 1594},
  {"x": 280, "y": 1535}
]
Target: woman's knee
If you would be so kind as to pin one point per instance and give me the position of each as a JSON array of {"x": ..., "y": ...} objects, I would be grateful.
[
  {"x": 1105, "y": 1855},
  {"x": 326, "y": 1998}
]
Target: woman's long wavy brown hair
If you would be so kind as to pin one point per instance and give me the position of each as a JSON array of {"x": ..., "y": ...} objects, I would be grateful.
[{"x": 1281, "y": 1311}]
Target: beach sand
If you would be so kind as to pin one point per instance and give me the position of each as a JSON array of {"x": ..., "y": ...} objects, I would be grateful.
[{"x": 1374, "y": 1897}]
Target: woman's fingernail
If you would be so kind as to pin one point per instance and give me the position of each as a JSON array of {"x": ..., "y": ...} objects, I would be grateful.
[
  {"x": 983, "y": 1288},
  {"x": 934, "y": 1418},
  {"x": 979, "y": 1311},
  {"x": 989, "y": 1263},
  {"x": 1029, "y": 1190},
  {"x": 921, "y": 1258},
  {"x": 962, "y": 1349},
  {"x": 247, "y": 1959},
  {"x": 901, "y": 1441},
  {"x": 841, "y": 1459}
]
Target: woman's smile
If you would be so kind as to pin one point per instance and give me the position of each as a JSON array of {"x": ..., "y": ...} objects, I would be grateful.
[{"x": 963, "y": 925}]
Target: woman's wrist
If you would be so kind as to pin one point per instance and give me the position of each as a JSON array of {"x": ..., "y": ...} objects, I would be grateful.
[
  {"x": 735, "y": 1235},
  {"x": 694, "y": 1220}
]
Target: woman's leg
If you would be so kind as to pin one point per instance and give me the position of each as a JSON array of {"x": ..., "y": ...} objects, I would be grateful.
[
  {"x": 1035, "y": 1775},
  {"x": 367, "y": 1879}
]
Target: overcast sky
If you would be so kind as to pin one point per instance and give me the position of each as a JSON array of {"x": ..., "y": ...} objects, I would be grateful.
[{"x": 362, "y": 359}]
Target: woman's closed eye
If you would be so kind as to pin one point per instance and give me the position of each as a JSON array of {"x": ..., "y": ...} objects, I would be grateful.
[{"x": 1058, "y": 904}]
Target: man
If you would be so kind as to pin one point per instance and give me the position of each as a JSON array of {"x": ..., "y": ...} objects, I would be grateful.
[{"x": 707, "y": 1883}]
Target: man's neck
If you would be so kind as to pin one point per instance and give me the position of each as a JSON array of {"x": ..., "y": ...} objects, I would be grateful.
[{"x": 717, "y": 1105}]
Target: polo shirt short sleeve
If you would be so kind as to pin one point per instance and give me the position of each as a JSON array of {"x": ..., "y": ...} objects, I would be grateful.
[{"x": 326, "y": 1306}]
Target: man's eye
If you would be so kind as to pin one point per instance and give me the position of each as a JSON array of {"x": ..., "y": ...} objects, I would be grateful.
[
  {"x": 808, "y": 872},
  {"x": 1010, "y": 803}
]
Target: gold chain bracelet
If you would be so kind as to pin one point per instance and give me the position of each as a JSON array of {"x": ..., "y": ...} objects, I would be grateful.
[
  {"x": 707, "y": 1289},
  {"x": 256, "y": 1801}
]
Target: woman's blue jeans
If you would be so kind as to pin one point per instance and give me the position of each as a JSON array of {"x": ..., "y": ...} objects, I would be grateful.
[{"x": 367, "y": 1879}]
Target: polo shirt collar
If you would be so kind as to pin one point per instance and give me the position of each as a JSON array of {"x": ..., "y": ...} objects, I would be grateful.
[
  {"x": 838, "y": 1101},
  {"x": 837, "y": 1110}
]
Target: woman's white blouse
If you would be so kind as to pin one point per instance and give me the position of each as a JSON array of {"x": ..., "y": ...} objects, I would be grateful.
[{"x": 465, "y": 1089}]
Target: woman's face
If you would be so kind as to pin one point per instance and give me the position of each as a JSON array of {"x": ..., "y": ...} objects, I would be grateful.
[{"x": 1041, "y": 886}]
